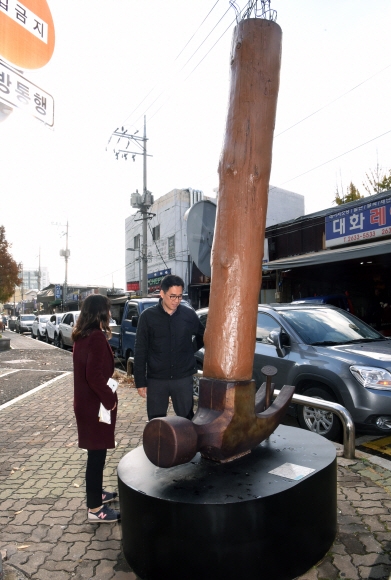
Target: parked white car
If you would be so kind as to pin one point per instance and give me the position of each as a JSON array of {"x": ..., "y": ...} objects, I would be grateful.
[
  {"x": 52, "y": 327},
  {"x": 38, "y": 329},
  {"x": 65, "y": 328}
]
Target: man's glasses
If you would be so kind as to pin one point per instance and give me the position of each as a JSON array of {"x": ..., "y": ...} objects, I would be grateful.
[{"x": 175, "y": 297}]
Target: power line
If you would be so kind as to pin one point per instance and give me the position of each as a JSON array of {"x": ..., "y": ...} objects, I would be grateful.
[
  {"x": 203, "y": 58},
  {"x": 333, "y": 101},
  {"x": 206, "y": 38},
  {"x": 176, "y": 58},
  {"x": 191, "y": 38},
  {"x": 333, "y": 159}
]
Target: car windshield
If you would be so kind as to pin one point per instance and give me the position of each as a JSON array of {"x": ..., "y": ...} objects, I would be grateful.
[
  {"x": 27, "y": 317},
  {"x": 43, "y": 318},
  {"x": 327, "y": 327}
]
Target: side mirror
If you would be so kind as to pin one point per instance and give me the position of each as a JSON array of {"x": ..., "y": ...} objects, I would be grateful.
[
  {"x": 134, "y": 321},
  {"x": 275, "y": 338},
  {"x": 71, "y": 324}
]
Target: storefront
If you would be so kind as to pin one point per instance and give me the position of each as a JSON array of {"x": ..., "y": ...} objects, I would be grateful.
[{"x": 348, "y": 250}]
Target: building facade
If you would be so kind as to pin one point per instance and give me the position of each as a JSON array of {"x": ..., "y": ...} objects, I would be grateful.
[
  {"x": 167, "y": 246},
  {"x": 31, "y": 278},
  {"x": 339, "y": 250}
]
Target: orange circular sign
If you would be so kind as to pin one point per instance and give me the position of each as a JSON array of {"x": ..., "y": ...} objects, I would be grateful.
[{"x": 26, "y": 32}]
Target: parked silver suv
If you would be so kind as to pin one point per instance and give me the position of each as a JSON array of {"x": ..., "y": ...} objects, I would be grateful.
[
  {"x": 329, "y": 354},
  {"x": 24, "y": 323}
]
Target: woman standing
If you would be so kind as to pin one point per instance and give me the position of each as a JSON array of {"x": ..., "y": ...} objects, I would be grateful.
[{"x": 93, "y": 363}]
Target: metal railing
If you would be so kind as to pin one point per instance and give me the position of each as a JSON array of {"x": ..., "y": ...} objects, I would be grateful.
[{"x": 349, "y": 431}]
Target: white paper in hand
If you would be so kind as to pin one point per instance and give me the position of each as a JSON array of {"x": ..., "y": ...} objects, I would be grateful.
[
  {"x": 113, "y": 384},
  {"x": 104, "y": 415}
]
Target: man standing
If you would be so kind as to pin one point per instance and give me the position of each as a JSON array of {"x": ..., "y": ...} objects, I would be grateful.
[{"x": 164, "y": 362}]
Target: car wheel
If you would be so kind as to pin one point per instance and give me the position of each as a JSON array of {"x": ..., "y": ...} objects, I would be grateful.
[
  {"x": 39, "y": 337},
  {"x": 47, "y": 338},
  {"x": 61, "y": 342},
  {"x": 318, "y": 421}
]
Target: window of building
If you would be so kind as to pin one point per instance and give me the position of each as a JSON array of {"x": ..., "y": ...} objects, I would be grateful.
[
  {"x": 136, "y": 242},
  {"x": 171, "y": 248},
  {"x": 156, "y": 233}
]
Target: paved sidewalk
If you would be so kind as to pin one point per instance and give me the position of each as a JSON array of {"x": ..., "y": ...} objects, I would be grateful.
[{"x": 44, "y": 534}]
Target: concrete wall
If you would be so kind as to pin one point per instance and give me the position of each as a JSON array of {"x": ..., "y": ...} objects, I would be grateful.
[
  {"x": 169, "y": 210},
  {"x": 283, "y": 205}
]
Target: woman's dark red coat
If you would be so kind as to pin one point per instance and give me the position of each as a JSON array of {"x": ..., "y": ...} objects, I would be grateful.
[{"x": 93, "y": 364}]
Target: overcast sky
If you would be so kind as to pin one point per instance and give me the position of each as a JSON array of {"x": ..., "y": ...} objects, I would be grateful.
[{"x": 115, "y": 61}]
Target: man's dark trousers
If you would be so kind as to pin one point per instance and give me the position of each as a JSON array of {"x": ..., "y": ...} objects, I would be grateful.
[{"x": 180, "y": 391}]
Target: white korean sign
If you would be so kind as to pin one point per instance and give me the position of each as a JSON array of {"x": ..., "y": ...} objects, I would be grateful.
[{"x": 17, "y": 91}]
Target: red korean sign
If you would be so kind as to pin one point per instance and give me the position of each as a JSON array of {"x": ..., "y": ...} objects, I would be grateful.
[
  {"x": 26, "y": 33},
  {"x": 132, "y": 286}
]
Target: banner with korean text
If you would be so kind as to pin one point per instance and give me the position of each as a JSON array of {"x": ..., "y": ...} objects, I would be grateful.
[{"x": 359, "y": 224}]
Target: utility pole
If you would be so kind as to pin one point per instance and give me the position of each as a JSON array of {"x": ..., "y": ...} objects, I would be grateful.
[
  {"x": 65, "y": 253},
  {"x": 22, "y": 288},
  {"x": 141, "y": 202},
  {"x": 39, "y": 278},
  {"x": 39, "y": 269}
]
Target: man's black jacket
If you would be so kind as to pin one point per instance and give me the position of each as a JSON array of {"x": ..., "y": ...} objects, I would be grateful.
[{"x": 164, "y": 346}]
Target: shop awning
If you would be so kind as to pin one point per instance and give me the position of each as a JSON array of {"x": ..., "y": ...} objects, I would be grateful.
[
  {"x": 329, "y": 256},
  {"x": 55, "y": 303}
]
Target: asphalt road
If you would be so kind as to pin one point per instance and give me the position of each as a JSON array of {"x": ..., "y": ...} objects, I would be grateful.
[{"x": 28, "y": 365}]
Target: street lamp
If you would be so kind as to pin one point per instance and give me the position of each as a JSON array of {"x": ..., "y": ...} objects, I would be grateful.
[{"x": 139, "y": 264}]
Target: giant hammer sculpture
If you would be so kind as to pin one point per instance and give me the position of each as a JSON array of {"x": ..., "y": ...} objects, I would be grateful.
[{"x": 230, "y": 420}]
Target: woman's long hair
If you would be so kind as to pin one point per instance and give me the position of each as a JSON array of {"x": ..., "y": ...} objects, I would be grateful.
[{"x": 95, "y": 313}]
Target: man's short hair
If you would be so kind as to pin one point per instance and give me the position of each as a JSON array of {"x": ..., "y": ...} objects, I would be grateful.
[{"x": 171, "y": 280}]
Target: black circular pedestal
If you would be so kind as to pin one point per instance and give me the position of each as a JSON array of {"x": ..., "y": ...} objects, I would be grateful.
[{"x": 211, "y": 521}]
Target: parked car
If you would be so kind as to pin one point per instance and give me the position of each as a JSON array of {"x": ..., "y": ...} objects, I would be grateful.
[
  {"x": 38, "y": 329},
  {"x": 24, "y": 323},
  {"x": 65, "y": 328},
  {"x": 339, "y": 300},
  {"x": 329, "y": 354},
  {"x": 52, "y": 327},
  {"x": 12, "y": 323}
]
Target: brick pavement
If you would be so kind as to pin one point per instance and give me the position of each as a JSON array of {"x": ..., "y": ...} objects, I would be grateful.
[{"x": 43, "y": 529}]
